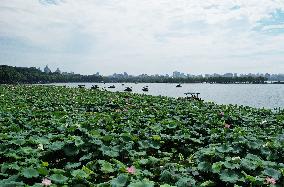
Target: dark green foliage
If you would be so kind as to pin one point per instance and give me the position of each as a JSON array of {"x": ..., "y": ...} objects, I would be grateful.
[
  {"x": 49, "y": 132},
  {"x": 15, "y": 75}
]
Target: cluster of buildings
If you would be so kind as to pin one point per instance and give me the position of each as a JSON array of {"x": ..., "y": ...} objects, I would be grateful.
[
  {"x": 177, "y": 74},
  {"x": 47, "y": 70},
  {"x": 277, "y": 77}
]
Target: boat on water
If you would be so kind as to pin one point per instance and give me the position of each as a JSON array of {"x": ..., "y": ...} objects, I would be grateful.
[
  {"x": 193, "y": 96},
  {"x": 145, "y": 89},
  {"x": 94, "y": 87},
  {"x": 178, "y": 86},
  {"x": 111, "y": 86},
  {"x": 128, "y": 89},
  {"x": 81, "y": 86}
]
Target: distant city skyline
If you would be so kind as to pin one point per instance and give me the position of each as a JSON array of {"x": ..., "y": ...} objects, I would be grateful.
[
  {"x": 134, "y": 36},
  {"x": 177, "y": 74}
]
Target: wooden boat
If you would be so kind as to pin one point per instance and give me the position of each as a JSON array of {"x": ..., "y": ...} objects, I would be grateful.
[
  {"x": 94, "y": 87},
  {"x": 128, "y": 89},
  {"x": 145, "y": 89},
  {"x": 111, "y": 86},
  {"x": 81, "y": 86},
  {"x": 178, "y": 86},
  {"x": 193, "y": 96}
]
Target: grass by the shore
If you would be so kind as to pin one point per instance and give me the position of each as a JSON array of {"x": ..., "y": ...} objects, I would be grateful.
[{"x": 58, "y": 136}]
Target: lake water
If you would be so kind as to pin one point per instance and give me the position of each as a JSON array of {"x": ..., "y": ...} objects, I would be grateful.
[{"x": 255, "y": 95}]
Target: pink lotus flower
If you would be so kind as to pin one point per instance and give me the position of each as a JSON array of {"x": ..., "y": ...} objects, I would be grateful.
[
  {"x": 270, "y": 180},
  {"x": 131, "y": 169},
  {"x": 46, "y": 182},
  {"x": 227, "y": 126},
  {"x": 222, "y": 113}
]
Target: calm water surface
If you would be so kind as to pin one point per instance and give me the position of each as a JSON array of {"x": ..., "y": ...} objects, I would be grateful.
[{"x": 255, "y": 95}]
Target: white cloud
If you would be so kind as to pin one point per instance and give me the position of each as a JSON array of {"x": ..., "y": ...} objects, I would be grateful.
[{"x": 145, "y": 36}]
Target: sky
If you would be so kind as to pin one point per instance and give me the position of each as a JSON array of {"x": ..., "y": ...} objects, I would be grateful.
[{"x": 144, "y": 36}]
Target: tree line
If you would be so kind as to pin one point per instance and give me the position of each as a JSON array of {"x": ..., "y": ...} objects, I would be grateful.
[
  {"x": 19, "y": 75},
  {"x": 212, "y": 80},
  {"x": 14, "y": 75}
]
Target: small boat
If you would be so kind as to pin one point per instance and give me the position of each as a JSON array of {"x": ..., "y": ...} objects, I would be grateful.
[
  {"x": 193, "y": 96},
  {"x": 94, "y": 87},
  {"x": 122, "y": 84},
  {"x": 145, "y": 89},
  {"x": 178, "y": 86},
  {"x": 111, "y": 86},
  {"x": 128, "y": 89},
  {"x": 81, "y": 86}
]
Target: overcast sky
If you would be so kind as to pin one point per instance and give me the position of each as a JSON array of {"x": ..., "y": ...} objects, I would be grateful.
[{"x": 144, "y": 36}]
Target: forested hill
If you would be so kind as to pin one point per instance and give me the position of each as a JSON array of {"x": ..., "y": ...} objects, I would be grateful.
[
  {"x": 11, "y": 75},
  {"x": 15, "y": 75}
]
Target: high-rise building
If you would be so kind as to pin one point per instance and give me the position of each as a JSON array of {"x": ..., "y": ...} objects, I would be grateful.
[{"x": 176, "y": 74}]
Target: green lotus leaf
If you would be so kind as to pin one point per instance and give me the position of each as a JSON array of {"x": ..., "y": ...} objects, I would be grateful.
[
  {"x": 70, "y": 150},
  {"x": 272, "y": 173},
  {"x": 19, "y": 141},
  {"x": 154, "y": 145},
  {"x": 9, "y": 183},
  {"x": 58, "y": 171},
  {"x": 107, "y": 138},
  {"x": 166, "y": 176},
  {"x": 79, "y": 174},
  {"x": 126, "y": 137},
  {"x": 229, "y": 176},
  {"x": 109, "y": 151},
  {"x": 204, "y": 166},
  {"x": 86, "y": 157},
  {"x": 224, "y": 149},
  {"x": 43, "y": 171},
  {"x": 56, "y": 146},
  {"x": 144, "y": 144},
  {"x": 143, "y": 183},
  {"x": 70, "y": 165},
  {"x": 30, "y": 173},
  {"x": 106, "y": 167},
  {"x": 185, "y": 182},
  {"x": 248, "y": 164},
  {"x": 143, "y": 161},
  {"x": 231, "y": 165},
  {"x": 79, "y": 141},
  {"x": 208, "y": 183},
  {"x": 156, "y": 137},
  {"x": 166, "y": 185},
  {"x": 27, "y": 150},
  {"x": 216, "y": 167},
  {"x": 119, "y": 181},
  {"x": 253, "y": 157},
  {"x": 171, "y": 126},
  {"x": 253, "y": 145},
  {"x": 58, "y": 178}
]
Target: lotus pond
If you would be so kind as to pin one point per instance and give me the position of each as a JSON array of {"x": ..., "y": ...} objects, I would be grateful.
[{"x": 57, "y": 136}]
